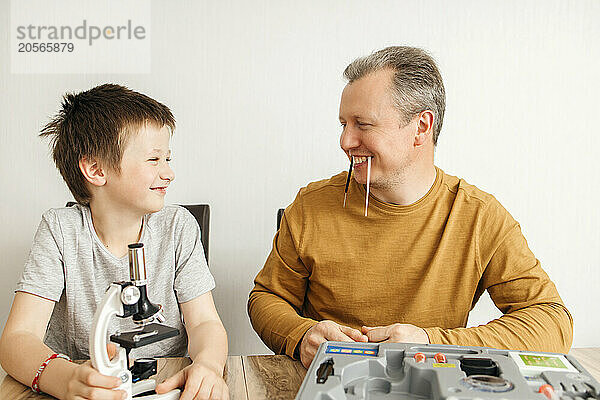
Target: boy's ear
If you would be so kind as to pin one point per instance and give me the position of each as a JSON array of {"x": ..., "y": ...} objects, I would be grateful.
[{"x": 92, "y": 171}]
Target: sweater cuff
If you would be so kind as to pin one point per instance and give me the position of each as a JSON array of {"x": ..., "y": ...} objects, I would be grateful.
[
  {"x": 295, "y": 337},
  {"x": 434, "y": 335}
]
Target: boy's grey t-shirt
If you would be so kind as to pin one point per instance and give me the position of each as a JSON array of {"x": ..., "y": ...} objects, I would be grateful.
[{"x": 69, "y": 264}]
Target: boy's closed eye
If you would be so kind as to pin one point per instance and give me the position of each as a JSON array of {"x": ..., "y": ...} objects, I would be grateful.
[{"x": 156, "y": 159}]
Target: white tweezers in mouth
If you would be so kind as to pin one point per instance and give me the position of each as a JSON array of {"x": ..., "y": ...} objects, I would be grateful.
[{"x": 368, "y": 184}]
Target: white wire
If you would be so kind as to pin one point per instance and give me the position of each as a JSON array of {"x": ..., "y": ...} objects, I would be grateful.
[{"x": 368, "y": 183}]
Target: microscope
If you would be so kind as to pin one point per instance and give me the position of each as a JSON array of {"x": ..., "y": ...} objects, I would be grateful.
[{"x": 130, "y": 299}]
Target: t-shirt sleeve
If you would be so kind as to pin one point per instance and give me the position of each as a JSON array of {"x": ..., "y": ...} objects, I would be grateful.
[
  {"x": 43, "y": 274},
  {"x": 192, "y": 276}
]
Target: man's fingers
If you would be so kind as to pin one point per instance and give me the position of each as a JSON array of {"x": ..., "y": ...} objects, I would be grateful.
[
  {"x": 335, "y": 333},
  {"x": 354, "y": 334},
  {"x": 364, "y": 329},
  {"x": 315, "y": 338},
  {"x": 171, "y": 383},
  {"x": 309, "y": 353},
  {"x": 378, "y": 334},
  {"x": 307, "y": 358}
]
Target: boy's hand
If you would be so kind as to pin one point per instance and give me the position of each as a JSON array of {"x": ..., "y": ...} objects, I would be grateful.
[
  {"x": 88, "y": 383},
  {"x": 202, "y": 381}
]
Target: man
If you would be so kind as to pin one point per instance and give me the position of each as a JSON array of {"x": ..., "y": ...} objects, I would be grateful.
[{"x": 413, "y": 268}]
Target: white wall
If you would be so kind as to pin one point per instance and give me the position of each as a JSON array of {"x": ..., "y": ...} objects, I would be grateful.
[{"x": 255, "y": 88}]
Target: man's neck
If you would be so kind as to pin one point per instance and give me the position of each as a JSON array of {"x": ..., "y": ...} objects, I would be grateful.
[
  {"x": 115, "y": 228},
  {"x": 412, "y": 188}
]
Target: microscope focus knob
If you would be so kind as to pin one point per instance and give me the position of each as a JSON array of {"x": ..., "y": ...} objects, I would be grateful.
[{"x": 130, "y": 295}]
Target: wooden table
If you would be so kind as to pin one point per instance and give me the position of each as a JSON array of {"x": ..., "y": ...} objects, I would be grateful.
[{"x": 258, "y": 377}]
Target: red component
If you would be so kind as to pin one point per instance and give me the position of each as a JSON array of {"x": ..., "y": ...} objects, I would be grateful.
[
  {"x": 440, "y": 358},
  {"x": 547, "y": 390},
  {"x": 420, "y": 357}
]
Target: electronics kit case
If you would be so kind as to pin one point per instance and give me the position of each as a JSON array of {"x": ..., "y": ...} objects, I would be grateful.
[{"x": 357, "y": 371}]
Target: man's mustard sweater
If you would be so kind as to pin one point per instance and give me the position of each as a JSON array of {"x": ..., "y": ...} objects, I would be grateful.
[{"x": 424, "y": 264}]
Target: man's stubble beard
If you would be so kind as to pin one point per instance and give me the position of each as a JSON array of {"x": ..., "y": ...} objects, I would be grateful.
[{"x": 395, "y": 179}]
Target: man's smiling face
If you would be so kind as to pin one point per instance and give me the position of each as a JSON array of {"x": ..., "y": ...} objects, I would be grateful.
[{"x": 373, "y": 127}]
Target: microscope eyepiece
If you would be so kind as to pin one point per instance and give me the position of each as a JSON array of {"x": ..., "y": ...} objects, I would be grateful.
[
  {"x": 137, "y": 264},
  {"x": 147, "y": 311}
]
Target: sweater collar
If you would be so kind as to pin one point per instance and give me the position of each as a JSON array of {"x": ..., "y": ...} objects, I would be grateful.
[{"x": 428, "y": 198}]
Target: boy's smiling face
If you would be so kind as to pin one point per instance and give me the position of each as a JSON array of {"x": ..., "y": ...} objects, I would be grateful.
[{"x": 145, "y": 173}]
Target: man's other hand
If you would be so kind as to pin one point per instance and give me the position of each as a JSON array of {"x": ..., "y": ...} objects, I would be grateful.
[
  {"x": 396, "y": 333},
  {"x": 323, "y": 331}
]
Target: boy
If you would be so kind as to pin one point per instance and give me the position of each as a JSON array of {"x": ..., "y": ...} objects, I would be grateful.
[{"x": 111, "y": 145}]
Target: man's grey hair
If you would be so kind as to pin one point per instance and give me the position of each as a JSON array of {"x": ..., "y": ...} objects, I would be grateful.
[{"x": 416, "y": 86}]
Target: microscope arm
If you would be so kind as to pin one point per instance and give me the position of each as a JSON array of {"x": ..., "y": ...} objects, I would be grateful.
[{"x": 111, "y": 305}]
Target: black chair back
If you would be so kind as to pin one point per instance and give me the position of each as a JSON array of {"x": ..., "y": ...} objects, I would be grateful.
[
  {"x": 279, "y": 215},
  {"x": 202, "y": 214}
]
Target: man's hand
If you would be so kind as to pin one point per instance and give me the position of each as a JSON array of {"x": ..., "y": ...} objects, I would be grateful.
[
  {"x": 202, "y": 381},
  {"x": 396, "y": 333},
  {"x": 323, "y": 331}
]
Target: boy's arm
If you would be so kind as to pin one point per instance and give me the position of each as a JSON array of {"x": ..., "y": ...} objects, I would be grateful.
[
  {"x": 207, "y": 347},
  {"x": 207, "y": 339},
  {"x": 22, "y": 351}
]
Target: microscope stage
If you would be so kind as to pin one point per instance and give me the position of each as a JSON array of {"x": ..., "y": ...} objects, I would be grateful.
[{"x": 151, "y": 333}]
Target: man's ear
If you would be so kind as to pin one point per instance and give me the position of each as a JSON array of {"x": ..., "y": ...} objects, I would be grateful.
[
  {"x": 424, "y": 127},
  {"x": 92, "y": 171}
]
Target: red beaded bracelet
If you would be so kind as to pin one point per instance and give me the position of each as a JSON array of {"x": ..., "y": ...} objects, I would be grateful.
[{"x": 35, "y": 386}]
